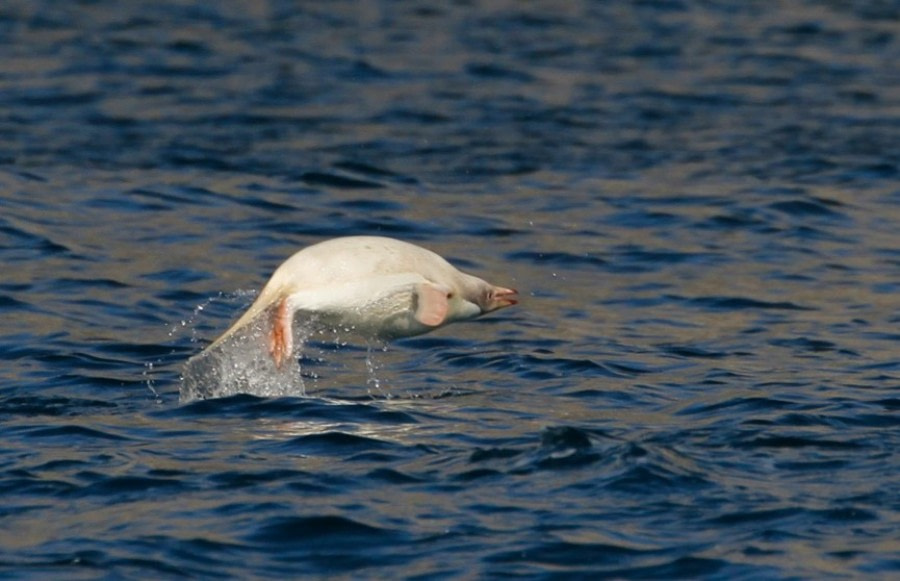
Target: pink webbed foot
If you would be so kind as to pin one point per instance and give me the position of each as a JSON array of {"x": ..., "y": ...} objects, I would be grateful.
[{"x": 281, "y": 340}]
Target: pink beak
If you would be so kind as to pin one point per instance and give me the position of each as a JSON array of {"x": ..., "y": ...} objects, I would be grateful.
[{"x": 501, "y": 297}]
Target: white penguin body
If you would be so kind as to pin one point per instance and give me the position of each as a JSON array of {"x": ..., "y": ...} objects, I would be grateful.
[{"x": 375, "y": 286}]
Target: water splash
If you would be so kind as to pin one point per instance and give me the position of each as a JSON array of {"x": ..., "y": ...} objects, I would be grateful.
[
  {"x": 148, "y": 378},
  {"x": 194, "y": 324},
  {"x": 240, "y": 299},
  {"x": 374, "y": 384},
  {"x": 242, "y": 364}
]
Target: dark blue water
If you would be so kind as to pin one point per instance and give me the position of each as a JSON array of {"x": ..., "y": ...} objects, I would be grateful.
[{"x": 699, "y": 202}]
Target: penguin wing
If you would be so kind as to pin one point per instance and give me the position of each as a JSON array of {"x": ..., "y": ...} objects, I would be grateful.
[{"x": 369, "y": 301}]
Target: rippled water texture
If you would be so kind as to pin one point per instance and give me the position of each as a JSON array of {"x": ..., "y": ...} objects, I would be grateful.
[{"x": 698, "y": 201}]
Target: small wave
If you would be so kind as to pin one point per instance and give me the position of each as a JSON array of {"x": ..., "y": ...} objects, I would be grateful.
[
  {"x": 240, "y": 479},
  {"x": 820, "y": 208},
  {"x": 50, "y": 406},
  {"x": 375, "y": 171},
  {"x": 333, "y": 443},
  {"x": 335, "y": 534},
  {"x": 73, "y": 433},
  {"x": 800, "y": 442},
  {"x": 805, "y": 344},
  {"x": 726, "y": 303},
  {"x": 560, "y": 448},
  {"x": 493, "y": 71},
  {"x": 338, "y": 181},
  {"x": 110, "y": 488},
  {"x": 572, "y": 555}
]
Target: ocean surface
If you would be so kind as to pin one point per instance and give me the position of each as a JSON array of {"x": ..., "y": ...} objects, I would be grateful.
[{"x": 698, "y": 201}]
